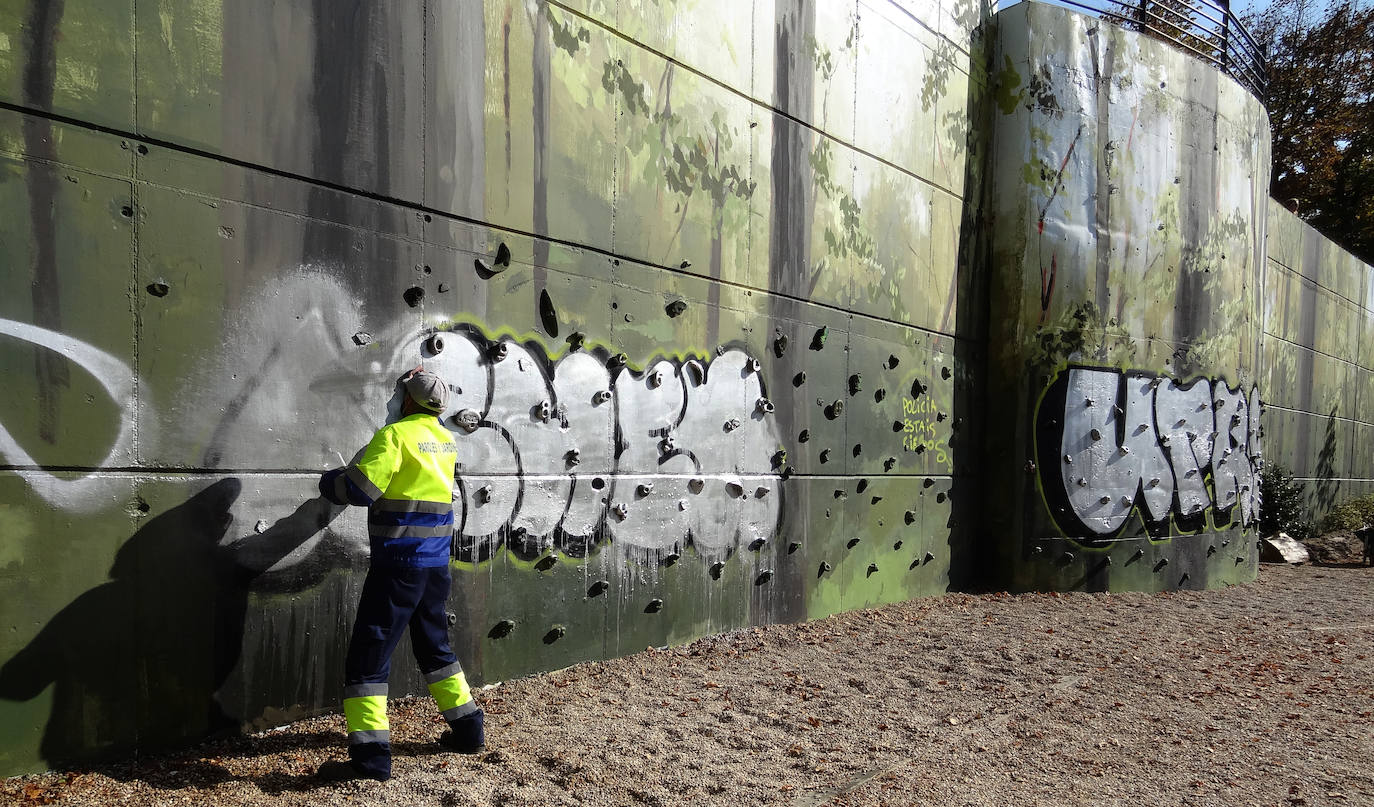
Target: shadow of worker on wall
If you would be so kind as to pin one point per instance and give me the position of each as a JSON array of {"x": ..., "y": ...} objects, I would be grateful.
[{"x": 136, "y": 663}]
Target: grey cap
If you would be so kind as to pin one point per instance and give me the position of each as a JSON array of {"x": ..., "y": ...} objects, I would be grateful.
[{"x": 428, "y": 390}]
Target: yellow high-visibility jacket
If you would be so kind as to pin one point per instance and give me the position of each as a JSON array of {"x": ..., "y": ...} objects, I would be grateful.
[{"x": 405, "y": 479}]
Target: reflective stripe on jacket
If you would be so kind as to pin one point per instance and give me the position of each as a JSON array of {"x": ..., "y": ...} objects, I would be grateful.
[{"x": 405, "y": 478}]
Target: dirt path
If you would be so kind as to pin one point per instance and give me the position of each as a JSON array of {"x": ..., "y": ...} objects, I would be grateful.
[{"x": 1260, "y": 694}]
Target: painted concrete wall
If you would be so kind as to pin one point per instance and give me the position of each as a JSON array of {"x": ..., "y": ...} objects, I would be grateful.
[
  {"x": 1128, "y": 209},
  {"x": 725, "y": 379},
  {"x": 806, "y": 309},
  {"x": 1318, "y": 362}
]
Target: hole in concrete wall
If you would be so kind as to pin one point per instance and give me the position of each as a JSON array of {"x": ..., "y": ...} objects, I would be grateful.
[
  {"x": 126, "y": 211},
  {"x": 598, "y": 483},
  {"x": 548, "y": 317},
  {"x": 413, "y": 296}
]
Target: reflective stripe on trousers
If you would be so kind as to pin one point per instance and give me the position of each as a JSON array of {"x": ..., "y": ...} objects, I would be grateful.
[
  {"x": 365, "y": 712},
  {"x": 449, "y": 687}
]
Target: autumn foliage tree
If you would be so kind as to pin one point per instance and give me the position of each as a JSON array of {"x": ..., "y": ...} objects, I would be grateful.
[{"x": 1320, "y": 97}]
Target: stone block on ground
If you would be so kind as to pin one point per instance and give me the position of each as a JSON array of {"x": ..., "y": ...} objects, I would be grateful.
[{"x": 1283, "y": 548}]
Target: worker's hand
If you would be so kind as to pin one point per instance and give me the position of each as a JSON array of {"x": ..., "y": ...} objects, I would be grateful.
[{"x": 330, "y": 487}]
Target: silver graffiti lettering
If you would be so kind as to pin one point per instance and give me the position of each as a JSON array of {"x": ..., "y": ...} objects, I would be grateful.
[
  {"x": 1115, "y": 471},
  {"x": 667, "y": 419},
  {"x": 1133, "y": 438}
]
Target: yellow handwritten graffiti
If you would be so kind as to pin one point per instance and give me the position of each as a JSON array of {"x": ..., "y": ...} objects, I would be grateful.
[{"x": 919, "y": 429}]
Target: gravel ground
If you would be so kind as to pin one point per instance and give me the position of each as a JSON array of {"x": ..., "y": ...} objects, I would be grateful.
[{"x": 1255, "y": 695}]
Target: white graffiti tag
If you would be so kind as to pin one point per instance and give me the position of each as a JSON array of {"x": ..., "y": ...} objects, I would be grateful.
[
  {"x": 560, "y": 453},
  {"x": 92, "y": 491},
  {"x": 1131, "y": 438}
]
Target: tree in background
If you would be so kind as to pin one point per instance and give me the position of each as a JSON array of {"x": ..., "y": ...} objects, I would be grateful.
[{"x": 1320, "y": 99}]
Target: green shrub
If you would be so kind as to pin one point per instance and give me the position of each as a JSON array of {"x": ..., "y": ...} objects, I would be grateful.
[
  {"x": 1283, "y": 504},
  {"x": 1350, "y": 515}
]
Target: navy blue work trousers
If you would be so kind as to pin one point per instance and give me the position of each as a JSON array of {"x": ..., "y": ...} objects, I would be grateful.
[{"x": 393, "y": 598}]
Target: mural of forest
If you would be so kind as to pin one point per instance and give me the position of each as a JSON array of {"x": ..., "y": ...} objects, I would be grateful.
[
  {"x": 697, "y": 280},
  {"x": 754, "y": 313}
]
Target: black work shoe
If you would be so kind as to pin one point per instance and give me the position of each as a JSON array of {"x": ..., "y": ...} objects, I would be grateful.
[
  {"x": 463, "y": 746},
  {"x": 339, "y": 771}
]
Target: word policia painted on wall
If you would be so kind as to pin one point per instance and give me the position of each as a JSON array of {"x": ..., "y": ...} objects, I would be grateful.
[
  {"x": 566, "y": 452},
  {"x": 1111, "y": 443}
]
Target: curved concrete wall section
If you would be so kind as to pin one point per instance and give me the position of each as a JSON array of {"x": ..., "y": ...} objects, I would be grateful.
[
  {"x": 695, "y": 268},
  {"x": 1128, "y": 193},
  {"x": 1318, "y": 362}
]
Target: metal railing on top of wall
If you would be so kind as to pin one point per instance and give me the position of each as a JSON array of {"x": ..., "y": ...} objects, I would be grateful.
[{"x": 1207, "y": 29}]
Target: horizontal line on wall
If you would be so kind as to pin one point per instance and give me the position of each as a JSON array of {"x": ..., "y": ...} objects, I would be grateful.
[
  {"x": 1314, "y": 351},
  {"x": 1358, "y": 304},
  {"x": 313, "y": 472},
  {"x": 433, "y": 211},
  {"x": 1320, "y": 415},
  {"x": 1369, "y": 480}
]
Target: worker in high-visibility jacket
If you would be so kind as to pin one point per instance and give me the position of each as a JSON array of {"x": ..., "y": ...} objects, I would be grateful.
[{"x": 405, "y": 478}]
